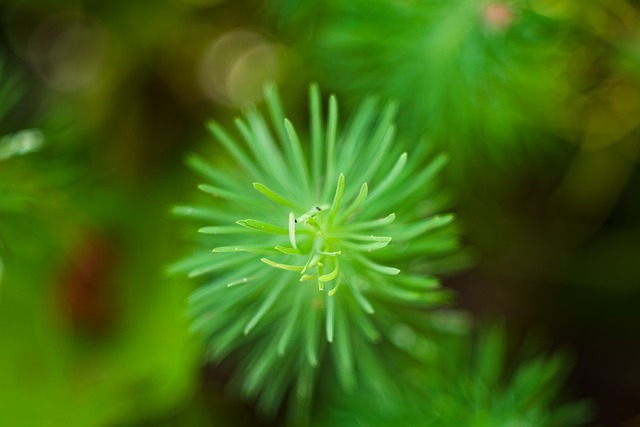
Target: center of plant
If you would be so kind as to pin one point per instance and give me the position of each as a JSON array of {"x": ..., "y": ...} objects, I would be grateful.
[{"x": 321, "y": 235}]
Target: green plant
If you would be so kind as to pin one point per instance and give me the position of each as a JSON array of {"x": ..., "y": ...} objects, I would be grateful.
[
  {"x": 468, "y": 381},
  {"x": 483, "y": 77},
  {"x": 12, "y": 145},
  {"x": 315, "y": 259}
]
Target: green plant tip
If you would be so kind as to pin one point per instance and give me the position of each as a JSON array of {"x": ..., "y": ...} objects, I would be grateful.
[{"x": 331, "y": 248}]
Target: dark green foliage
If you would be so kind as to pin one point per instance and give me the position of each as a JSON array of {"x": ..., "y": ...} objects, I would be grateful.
[
  {"x": 12, "y": 201},
  {"x": 466, "y": 382},
  {"x": 461, "y": 71}
]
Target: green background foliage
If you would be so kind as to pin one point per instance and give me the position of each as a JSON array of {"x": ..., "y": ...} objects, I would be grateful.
[{"x": 535, "y": 103}]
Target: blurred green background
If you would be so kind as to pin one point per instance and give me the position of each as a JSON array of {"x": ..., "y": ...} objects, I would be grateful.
[{"x": 539, "y": 110}]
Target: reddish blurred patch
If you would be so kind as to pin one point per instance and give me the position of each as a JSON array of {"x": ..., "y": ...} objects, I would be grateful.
[
  {"x": 86, "y": 285},
  {"x": 498, "y": 16}
]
